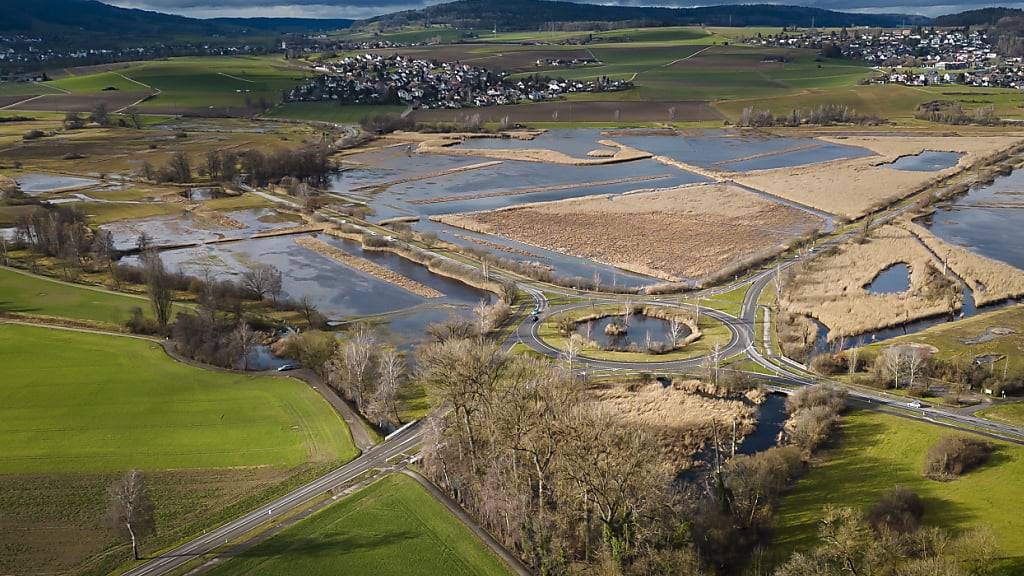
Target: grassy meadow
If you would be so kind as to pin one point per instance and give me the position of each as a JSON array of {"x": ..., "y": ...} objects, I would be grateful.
[
  {"x": 36, "y": 296},
  {"x": 392, "y": 527},
  {"x": 874, "y": 453},
  {"x": 81, "y": 408}
]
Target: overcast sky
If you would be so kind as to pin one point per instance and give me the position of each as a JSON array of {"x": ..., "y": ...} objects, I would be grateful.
[{"x": 366, "y": 8}]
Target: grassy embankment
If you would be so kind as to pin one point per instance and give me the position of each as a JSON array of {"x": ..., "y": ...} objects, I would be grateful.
[
  {"x": 81, "y": 408},
  {"x": 393, "y": 526},
  {"x": 875, "y": 452}
]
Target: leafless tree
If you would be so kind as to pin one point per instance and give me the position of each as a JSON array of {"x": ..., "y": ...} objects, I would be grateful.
[
  {"x": 894, "y": 363},
  {"x": 356, "y": 364},
  {"x": 916, "y": 361},
  {"x": 675, "y": 330},
  {"x": 262, "y": 280},
  {"x": 573, "y": 345},
  {"x": 159, "y": 286},
  {"x": 130, "y": 508},
  {"x": 245, "y": 340},
  {"x": 391, "y": 373},
  {"x": 481, "y": 313}
]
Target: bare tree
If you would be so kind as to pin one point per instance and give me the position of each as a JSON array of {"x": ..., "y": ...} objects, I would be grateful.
[
  {"x": 130, "y": 508},
  {"x": 158, "y": 284},
  {"x": 356, "y": 364},
  {"x": 391, "y": 373},
  {"x": 916, "y": 361},
  {"x": 482, "y": 313},
  {"x": 244, "y": 339},
  {"x": 675, "y": 330},
  {"x": 262, "y": 280},
  {"x": 893, "y": 363}
]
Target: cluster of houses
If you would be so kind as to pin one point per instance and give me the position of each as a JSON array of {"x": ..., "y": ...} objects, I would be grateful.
[
  {"x": 377, "y": 79},
  {"x": 915, "y": 57},
  {"x": 23, "y": 53}
]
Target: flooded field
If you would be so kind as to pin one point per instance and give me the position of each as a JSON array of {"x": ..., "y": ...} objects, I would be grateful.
[
  {"x": 927, "y": 161},
  {"x": 35, "y": 184},
  {"x": 189, "y": 227},
  {"x": 399, "y": 182},
  {"x": 987, "y": 220}
]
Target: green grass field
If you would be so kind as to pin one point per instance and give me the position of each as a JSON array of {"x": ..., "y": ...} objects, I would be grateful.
[
  {"x": 38, "y": 296},
  {"x": 196, "y": 82},
  {"x": 77, "y": 402},
  {"x": 393, "y": 527},
  {"x": 1012, "y": 414},
  {"x": 876, "y": 452}
]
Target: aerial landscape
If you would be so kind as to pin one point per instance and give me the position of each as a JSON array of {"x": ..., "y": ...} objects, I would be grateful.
[{"x": 511, "y": 288}]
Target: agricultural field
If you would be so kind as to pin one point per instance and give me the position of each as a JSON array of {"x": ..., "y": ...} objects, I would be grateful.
[
  {"x": 392, "y": 527},
  {"x": 80, "y": 408},
  {"x": 874, "y": 452}
]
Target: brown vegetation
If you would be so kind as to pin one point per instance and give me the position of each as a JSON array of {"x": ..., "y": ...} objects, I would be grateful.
[
  {"x": 680, "y": 421},
  {"x": 991, "y": 280},
  {"x": 852, "y": 188},
  {"x": 953, "y": 456},
  {"x": 685, "y": 232},
  {"x": 830, "y": 287},
  {"x": 623, "y": 153}
]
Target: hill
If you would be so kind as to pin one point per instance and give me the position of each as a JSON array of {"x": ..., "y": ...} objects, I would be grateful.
[
  {"x": 90, "y": 23},
  {"x": 534, "y": 14},
  {"x": 286, "y": 25},
  {"x": 981, "y": 17}
]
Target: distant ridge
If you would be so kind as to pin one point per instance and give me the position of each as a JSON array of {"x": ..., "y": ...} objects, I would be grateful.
[
  {"x": 99, "y": 25},
  {"x": 980, "y": 17},
  {"x": 535, "y": 14}
]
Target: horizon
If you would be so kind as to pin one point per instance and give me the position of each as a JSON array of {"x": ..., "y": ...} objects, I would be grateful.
[{"x": 362, "y": 9}]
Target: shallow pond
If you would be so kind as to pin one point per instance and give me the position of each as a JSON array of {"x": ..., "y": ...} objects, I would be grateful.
[
  {"x": 927, "y": 161},
  {"x": 987, "y": 220},
  {"x": 261, "y": 358},
  {"x": 34, "y": 184},
  {"x": 185, "y": 228},
  {"x": 893, "y": 280},
  {"x": 640, "y": 330},
  {"x": 201, "y": 194}
]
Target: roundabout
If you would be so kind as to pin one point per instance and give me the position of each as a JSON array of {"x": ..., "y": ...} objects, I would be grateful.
[{"x": 730, "y": 335}]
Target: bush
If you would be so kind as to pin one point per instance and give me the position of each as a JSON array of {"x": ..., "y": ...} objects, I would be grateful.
[
  {"x": 810, "y": 427},
  {"x": 140, "y": 324},
  {"x": 899, "y": 511},
  {"x": 33, "y": 135},
  {"x": 828, "y": 364},
  {"x": 953, "y": 456},
  {"x": 815, "y": 396}
]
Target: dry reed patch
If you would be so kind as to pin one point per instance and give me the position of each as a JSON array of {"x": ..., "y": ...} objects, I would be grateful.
[
  {"x": 622, "y": 153},
  {"x": 991, "y": 280},
  {"x": 673, "y": 234},
  {"x": 367, "y": 267},
  {"x": 680, "y": 421},
  {"x": 831, "y": 286},
  {"x": 890, "y": 148},
  {"x": 855, "y": 187}
]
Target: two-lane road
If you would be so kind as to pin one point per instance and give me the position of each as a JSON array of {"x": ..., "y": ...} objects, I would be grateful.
[{"x": 376, "y": 457}]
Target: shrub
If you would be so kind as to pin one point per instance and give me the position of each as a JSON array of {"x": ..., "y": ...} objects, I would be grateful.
[
  {"x": 828, "y": 364},
  {"x": 814, "y": 396},
  {"x": 140, "y": 324},
  {"x": 953, "y": 456},
  {"x": 33, "y": 135},
  {"x": 899, "y": 510},
  {"x": 810, "y": 427}
]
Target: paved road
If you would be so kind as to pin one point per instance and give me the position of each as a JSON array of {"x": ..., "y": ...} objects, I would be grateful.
[{"x": 393, "y": 446}]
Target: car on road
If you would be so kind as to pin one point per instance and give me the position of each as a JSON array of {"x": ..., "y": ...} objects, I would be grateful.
[{"x": 287, "y": 367}]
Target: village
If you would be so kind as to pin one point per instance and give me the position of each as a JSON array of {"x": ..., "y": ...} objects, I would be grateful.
[
  {"x": 922, "y": 57},
  {"x": 376, "y": 79}
]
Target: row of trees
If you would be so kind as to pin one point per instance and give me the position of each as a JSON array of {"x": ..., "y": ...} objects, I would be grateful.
[
  {"x": 823, "y": 115},
  {"x": 309, "y": 164}
]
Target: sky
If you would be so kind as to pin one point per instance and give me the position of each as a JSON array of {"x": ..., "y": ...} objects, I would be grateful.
[{"x": 357, "y": 9}]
